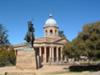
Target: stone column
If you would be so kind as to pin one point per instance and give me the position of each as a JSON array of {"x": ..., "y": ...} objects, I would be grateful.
[
  {"x": 57, "y": 54},
  {"x": 40, "y": 56},
  {"x": 61, "y": 54},
  {"x": 45, "y": 55},
  {"x": 50, "y": 59},
  {"x": 52, "y": 49},
  {"x": 40, "y": 52}
]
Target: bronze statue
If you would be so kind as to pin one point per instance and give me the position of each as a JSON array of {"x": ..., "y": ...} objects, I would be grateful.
[
  {"x": 30, "y": 34},
  {"x": 30, "y": 40}
]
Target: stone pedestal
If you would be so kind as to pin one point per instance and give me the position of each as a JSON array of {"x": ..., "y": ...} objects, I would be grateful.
[{"x": 25, "y": 58}]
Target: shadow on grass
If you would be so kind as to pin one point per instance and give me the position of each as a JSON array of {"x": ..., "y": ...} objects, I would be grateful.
[{"x": 86, "y": 67}]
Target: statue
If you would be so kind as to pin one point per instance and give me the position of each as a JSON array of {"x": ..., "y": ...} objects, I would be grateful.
[
  {"x": 30, "y": 34},
  {"x": 30, "y": 40},
  {"x": 27, "y": 57}
]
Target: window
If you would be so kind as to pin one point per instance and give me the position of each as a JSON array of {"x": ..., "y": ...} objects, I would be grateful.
[
  {"x": 55, "y": 31},
  {"x": 46, "y": 31},
  {"x": 51, "y": 31}
]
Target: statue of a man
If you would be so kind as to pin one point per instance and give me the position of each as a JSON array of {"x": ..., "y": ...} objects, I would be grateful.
[{"x": 30, "y": 34}]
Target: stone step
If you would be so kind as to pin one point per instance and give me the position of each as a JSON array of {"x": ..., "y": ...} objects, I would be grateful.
[
  {"x": 2, "y": 73},
  {"x": 20, "y": 73}
]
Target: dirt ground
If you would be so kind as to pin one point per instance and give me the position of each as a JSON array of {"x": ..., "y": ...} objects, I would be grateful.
[{"x": 48, "y": 70}]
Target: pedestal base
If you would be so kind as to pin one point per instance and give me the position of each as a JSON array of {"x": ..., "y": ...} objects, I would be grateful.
[{"x": 25, "y": 59}]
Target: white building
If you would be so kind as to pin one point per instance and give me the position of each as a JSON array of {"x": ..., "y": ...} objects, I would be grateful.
[{"x": 50, "y": 46}]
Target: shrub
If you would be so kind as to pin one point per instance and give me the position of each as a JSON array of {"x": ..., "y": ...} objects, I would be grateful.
[
  {"x": 88, "y": 67},
  {"x": 7, "y": 56}
]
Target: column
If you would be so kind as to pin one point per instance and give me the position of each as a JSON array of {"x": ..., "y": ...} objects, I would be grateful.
[
  {"x": 50, "y": 59},
  {"x": 57, "y": 54},
  {"x": 44, "y": 57},
  {"x": 61, "y": 54},
  {"x": 52, "y": 52},
  {"x": 40, "y": 52}
]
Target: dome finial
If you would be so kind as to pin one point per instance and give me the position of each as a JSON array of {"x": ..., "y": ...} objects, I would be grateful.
[{"x": 50, "y": 15}]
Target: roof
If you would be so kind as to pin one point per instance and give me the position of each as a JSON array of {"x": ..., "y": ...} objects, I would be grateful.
[
  {"x": 44, "y": 40},
  {"x": 48, "y": 40},
  {"x": 50, "y": 21}
]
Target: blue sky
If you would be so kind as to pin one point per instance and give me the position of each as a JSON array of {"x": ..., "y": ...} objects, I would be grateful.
[{"x": 70, "y": 15}]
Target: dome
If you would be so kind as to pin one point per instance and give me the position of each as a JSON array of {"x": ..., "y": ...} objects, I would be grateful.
[{"x": 50, "y": 21}]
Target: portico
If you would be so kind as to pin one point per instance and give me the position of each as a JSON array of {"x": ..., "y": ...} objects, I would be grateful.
[{"x": 50, "y": 54}]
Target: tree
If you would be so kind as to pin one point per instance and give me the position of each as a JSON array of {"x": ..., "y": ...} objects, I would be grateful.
[
  {"x": 7, "y": 52},
  {"x": 3, "y": 36},
  {"x": 61, "y": 34},
  {"x": 68, "y": 50},
  {"x": 88, "y": 41},
  {"x": 7, "y": 55}
]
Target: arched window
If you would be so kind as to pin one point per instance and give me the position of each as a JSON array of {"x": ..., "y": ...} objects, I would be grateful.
[
  {"x": 46, "y": 31},
  {"x": 55, "y": 31},
  {"x": 51, "y": 31}
]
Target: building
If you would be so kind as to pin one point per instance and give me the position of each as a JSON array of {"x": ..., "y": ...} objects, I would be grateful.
[{"x": 49, "y": 48}]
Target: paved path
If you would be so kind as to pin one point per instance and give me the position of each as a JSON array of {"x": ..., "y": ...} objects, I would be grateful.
[{"x": 47, "y": 70}]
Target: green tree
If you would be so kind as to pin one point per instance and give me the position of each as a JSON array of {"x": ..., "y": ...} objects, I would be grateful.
[
  {"x": 7, "y": 52},
  {"x": 61, "y": 34},
  {"x": 88, "y": 41},
  {"x": 3, "y": 36},
  {"x": 7, "y": 55},
  {"x": 68, "y": 50}
]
